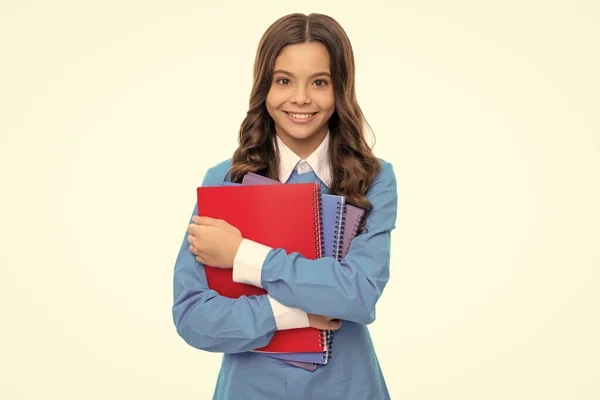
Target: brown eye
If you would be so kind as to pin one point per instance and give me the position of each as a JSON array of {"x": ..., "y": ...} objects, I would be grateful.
[
  {"x": 320, "y": 82},
  {"x": 283, "y": 81}
]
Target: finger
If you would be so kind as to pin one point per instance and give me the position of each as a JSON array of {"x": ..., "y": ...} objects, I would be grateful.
[
  {"x": 193, "y": 241},
  {"x": 205, "y": 221},
  {"x": 199, "y": 233},
  {"x": 200, "y": 260},
  {"x": 193, "y": 250},
  {"x": 193, "y": 229}
]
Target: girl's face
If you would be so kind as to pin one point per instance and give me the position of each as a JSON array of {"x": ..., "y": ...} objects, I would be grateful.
[{"x": 300, "y": 99}]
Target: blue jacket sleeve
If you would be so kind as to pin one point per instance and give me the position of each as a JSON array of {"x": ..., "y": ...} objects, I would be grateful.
[
  {"x": 211, "y": 322},
  {"x": 348, "y": 289}
]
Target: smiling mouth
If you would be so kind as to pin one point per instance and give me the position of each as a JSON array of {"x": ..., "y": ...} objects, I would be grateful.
[{"x": 300, "y": 115}]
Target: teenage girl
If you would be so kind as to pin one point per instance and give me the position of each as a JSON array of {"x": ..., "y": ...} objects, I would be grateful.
[{"x": 303, "y": 125}]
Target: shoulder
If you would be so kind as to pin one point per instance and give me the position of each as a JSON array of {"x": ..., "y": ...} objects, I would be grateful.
[
  {"x": 383, "y": 195},
  {"x": 386, "y": 178},
  {"x": 216, "y": 174},
  {"x": 386, "y": 171}
]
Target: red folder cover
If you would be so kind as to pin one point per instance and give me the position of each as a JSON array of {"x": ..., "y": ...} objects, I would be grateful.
[{"x": 278, "y": 216}]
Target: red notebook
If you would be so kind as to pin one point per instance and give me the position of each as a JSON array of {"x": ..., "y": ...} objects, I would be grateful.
[{"x": 278, "y": 216}]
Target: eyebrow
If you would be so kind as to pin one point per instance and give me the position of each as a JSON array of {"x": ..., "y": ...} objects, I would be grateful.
[{"x": 281, "y": 71}]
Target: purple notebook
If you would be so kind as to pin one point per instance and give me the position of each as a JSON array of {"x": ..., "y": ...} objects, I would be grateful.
[
  {"x": 313, "y": 358},
  {"x": 306, "y": 366},
  {"x": 352, "y": 220}
]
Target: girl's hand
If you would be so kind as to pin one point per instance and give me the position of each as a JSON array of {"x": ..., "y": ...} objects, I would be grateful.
[
  {"x": 214, "y": 242},
  {"x": 324, "y": 323}
]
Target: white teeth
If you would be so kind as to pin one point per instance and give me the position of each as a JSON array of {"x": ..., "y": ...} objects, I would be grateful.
[{"x": 301, "y": 116}]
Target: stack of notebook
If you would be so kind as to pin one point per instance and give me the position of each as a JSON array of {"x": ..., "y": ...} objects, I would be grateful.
[{"x": 293, "y": 217}]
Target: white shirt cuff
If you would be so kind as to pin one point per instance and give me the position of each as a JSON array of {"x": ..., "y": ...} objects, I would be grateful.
[
  {"x": 248, "y": 262},
  {"x": 288, "y": 317}
]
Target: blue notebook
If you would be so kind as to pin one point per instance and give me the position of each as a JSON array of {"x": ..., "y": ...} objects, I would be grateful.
[{"x": 332, "y": 218}]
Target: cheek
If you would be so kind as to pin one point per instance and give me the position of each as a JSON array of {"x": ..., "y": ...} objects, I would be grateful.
[
  {"x": 327, "y": 102},
  {"x": 273, "y": 101},
  {"x": 270, "y": 105}
]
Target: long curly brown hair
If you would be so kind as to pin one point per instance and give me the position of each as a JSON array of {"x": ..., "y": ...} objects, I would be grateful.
[{"x": 353, "y": 164}]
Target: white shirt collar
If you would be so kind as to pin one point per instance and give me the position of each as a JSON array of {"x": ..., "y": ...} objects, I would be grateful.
[{"x": 318, "y": 162}]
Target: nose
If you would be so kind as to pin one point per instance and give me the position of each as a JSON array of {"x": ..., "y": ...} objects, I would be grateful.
[{"x": 300, "y": 95}]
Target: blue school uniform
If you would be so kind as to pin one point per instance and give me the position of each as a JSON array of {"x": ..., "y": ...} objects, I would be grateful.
[{"x": 347, "y": 290}]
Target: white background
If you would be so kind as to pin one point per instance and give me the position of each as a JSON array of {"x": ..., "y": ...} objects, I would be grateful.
[{"x": 111, "y": 112}]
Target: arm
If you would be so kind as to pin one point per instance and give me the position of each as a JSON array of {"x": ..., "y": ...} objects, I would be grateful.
[
  {"x": 348, "y": 289},
  {"x": 208, "y": 321}
]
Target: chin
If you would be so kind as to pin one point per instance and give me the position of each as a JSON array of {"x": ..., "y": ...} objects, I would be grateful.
[{"x": 300, "y": 134}]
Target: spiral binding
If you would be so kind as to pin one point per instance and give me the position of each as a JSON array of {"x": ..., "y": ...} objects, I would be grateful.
[
  {"x": 317, "y": 212},
  {"x": 337, "y": 253},
  {"x": 326, "y": 342},
  {"x": 340, "y": 223},
  {"x": 355, "y": 229},
  {"x": 326, "y": 337}
]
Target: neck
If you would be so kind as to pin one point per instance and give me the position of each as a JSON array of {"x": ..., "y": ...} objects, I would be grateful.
[{"x": 305, "y": 147}]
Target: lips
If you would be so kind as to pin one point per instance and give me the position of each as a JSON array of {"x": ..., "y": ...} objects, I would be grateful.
[
  {"x": 300, "y": 118},
  {"x": 299, "y": 115}
]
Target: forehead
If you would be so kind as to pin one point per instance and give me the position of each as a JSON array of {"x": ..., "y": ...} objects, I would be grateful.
[{"x": 303, "y": 58}]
